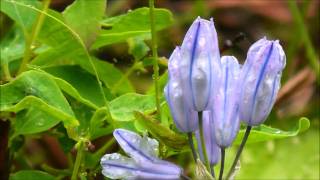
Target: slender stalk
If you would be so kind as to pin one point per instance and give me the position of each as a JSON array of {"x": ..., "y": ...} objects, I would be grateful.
[
  {"x": 125, "y": 76},
  {"x": 222, "y": 163},
  {"x": 243, "y": 143},
  {"x": 77, "y": 163},
  {"x": 311, "y": 54},
  {"x": 6, "y": 71},
  {"x": 203, "y": 145},
  {"x": 103, "y": 149},
  {"x": 155, "y": 57},
  {"x": 34, "y": 33},
  {"x": 191, "y": 144},
  {"x": 212, "y": 172},
  {"x": 185, "y": 177}
]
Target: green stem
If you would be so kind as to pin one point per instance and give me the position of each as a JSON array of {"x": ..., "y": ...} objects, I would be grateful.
[
  {"x": 222, "y": 163},
  {"x": 155, "y": 57},
  {"x": 311, "y": 54},
  {"x": 54, "y": 171},
  {"x": 30, "y": 40},
  {"x": 77, "y": 163},
  {"x": 103, "y": 149},
  {"x": 203, "y": 145},
  {"x": 125, "y": 76},
  {"x": 191, "y": 144},
  {"x": 212, "y": 172},
  {"x": 243, "y": 143},
  {"x": 6, "y": 71}
]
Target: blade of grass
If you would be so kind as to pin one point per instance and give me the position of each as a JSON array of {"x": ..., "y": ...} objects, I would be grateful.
[{"x": 300, "y": 25}]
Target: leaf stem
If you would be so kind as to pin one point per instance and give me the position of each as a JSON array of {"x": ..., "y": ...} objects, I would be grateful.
[
  {"x": 103, "y": 149},
  {"x": 125, "y": 76},
  {"x": 155, "y": 58},
  {"x": 212, "y": 171},
  {"x": 78, "y": 161},
  {"x": 6, "y": 71},
  {"x": 30, "y": 40},
  {"x": 243, "y": 143},
  {"x": 203, "y": 145},
  {"x": 222, "y": 163},
  {"x": 191, "y": 144}
]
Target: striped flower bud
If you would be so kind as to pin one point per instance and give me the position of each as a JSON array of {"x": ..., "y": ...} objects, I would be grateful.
[
  {"x": 184, "y": 117},
  {"x": 260, "y": 80},
  {"x": 225, "y": 111},
  {"x": 199, "y": 58}
]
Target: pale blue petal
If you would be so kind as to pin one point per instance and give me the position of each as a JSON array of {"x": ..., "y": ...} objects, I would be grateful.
[
  {"x": 261, "y": 80},
  {"x": 199, "y": 56},
  {"x": 116, "y": 166},
  {"x": 131, "y": 143},
  {"x": 184, "y": 117},
  {"x": 225, "y": 110}
]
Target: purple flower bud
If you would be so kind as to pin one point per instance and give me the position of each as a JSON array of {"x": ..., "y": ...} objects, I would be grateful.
[
  {"x": 199, "y": 56},
  {"x": 213, "y": 150},
  {"x": 143, "y": 163},
  {"x": 184, "y": 117},
  {"x": 225, "y": 111},
  {"x": 261, "y": 80}
]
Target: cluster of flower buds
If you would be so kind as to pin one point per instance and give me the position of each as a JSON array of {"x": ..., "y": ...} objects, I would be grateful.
[
  {"x": 201, "y": 81},
  {"x": 227, "y": 92}
]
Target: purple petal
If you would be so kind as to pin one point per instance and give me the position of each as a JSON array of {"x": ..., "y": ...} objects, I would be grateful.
[
  {"x": 130, "y": 142},
  {"x": 199, "y": 59},
  {"x": 184, "y": 117},
  {"x": 115, "y": 166},
  {"x": 225, "y": 110},
  {"x": 261, "y": 80}
]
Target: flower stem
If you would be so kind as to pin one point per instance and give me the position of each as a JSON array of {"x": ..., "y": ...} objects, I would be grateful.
[
  {"x": 30, "y": 40},
  {"x": 6, "y": 71},
  {"x": 222, "y": 163},
  {"x": 203, "y": 145},
  {"x": 212, "y": 171},
  {"x": 191, "y": 144},
  {"x": 243, "y": 142},
  {"x": 78, "y": 161},
  {"x": 155, "y": 57},
  {"x": 124, "y": 77}
]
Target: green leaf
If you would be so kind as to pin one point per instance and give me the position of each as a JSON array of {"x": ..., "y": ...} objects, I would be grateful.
[
  {"x": 36, "y": 91},
  {"x": 108, "y": 73},
  {"x": 160, "y": 132},
  {"x": 123, "y": 107},
  {"x": 265, "y": 133},
  {"x": 31, "y": 175},
  {"x": 125, "y": 26},
  {"x": 84, "y": 86},
  {"x": 138, "y": 48},
  {"x": 83, "y": 17},
  {"x": 22, "y": 16},
  {"x": 12, "y": 46}
]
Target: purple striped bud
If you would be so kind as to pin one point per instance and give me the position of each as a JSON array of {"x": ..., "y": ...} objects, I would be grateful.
[
  {"x": 261, "y": 80},
  {"x": 143, "y": 163},
  {"x": 225, "y": 111},
  {"x": 199, "y": 59},
  {"x": 213, "y": 150},
  {"x": 184, "y": 117}
]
